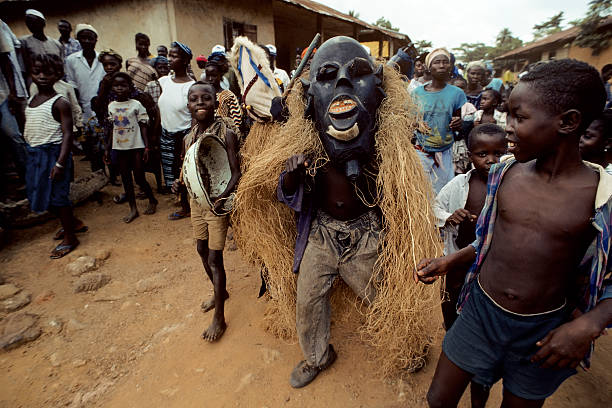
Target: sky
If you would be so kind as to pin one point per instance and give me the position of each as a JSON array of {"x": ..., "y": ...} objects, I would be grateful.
[{"x": 450, "y": 23}]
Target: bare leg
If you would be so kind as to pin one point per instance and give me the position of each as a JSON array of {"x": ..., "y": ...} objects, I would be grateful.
[
  {"x": 202, "y": 248},
  {"x": 512, "y": 401},
  {"x": 68, "y": 223},
  {"x": 218, "y": 326},
  {"x": 125, "y": 168},
  {"x": 479, "y": 395},
  {"x": 139, "y": 176},
  {"x": 448, "y": 384}
]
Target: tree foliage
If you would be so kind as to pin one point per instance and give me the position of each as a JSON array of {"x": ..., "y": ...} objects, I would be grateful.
[
  {"x": 384, "y": 23},
  {"x": 504, "y": 42},
  {"x": 548, "y": 27},
  {"x": 353, "y": 13},
  {"x": 422, "y": 46},
  {"x": 590, "y": 36}
]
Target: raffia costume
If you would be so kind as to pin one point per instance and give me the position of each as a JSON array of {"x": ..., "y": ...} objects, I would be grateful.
[{"x": 398, "y": 321}]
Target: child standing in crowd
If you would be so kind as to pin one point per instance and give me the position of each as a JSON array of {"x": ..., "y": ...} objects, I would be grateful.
[
  {"x": 596, "y": 142},
  {"x": 461, "y": 158},
  {"x": 488, "y": 113},
  {"x": 175, "y": 118},
  {"x": 459, "y": 203},
  {"x": 48, "y": 133},
  {"x": 129, "y": 142},
  {"x": 441, "y": 104},
  {"x": 216, "y": 67},
  {"x": 153, "y": 88},
  {"x": 209, "y": 228},
  {"x": 539, "y": 290},
  {"x": 475, "y": 76},
  {"x": 138, "y": 67}
]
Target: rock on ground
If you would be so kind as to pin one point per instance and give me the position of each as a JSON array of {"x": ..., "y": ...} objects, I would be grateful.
[
  {"x": 149, "y": 284},
  {"x": 90, "y": 282},
  {"x": 81, "y": 265},
  {"x": 16, "y": 302},
  {"x": 19, "y": 329},
  {"x": 8, "y": 290}
]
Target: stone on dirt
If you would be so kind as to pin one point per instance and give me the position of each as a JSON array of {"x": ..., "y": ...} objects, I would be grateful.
[
  {"x": 16, "y": 302},
  {"x": 90, "y": 282},
  {"x": 81, "y": 265},
  {"x": 8, "y": 290},
  {"x": 18, "y": 329},
  {"x": 103, "y": 254},
  {"x": 150, "y": 284}
]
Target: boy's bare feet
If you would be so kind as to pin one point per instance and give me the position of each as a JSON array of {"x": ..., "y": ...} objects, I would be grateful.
[
  {"x": 151, "y": 208},
  {"x": 215, "y": 330},
  {"x": 209, "y": 304},
  {"x": 131, "y": 216}
]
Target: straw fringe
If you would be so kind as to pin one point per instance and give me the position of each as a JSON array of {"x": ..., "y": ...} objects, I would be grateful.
[{"x": 398, "y": 323}]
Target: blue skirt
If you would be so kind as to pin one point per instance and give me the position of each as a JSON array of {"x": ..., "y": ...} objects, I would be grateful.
[{"x": 41, "y": 190}]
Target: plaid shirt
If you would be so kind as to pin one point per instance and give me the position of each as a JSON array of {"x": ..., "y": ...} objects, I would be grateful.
[
  {"x": 594, "y": 268},
  {"x": 153, "y": 88},
  {"x": 71, "y": 46}
]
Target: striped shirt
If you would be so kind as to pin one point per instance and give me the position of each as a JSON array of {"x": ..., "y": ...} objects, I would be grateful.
[
  {"x": 40, "y": 126},
  {"x": 594, "y": 267},
  {"x": 229, "y": 108},
  {"x": 141, "y": 72}
]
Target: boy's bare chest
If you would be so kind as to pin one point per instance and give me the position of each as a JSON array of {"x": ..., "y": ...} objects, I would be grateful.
[{"x": 551, "y": 210}]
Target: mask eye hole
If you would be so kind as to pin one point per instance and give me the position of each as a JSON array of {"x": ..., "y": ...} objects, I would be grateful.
[
  {"x": 327, "y": 72},
  {"x": 360, "y": 67}
]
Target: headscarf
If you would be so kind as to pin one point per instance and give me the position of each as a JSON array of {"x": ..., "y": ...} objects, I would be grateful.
[
  {"x": 304, "y": 53},
  {"x": 110, "y": 52},
  {"x": 218, "y": 48},
  {"x": 219, "y": 60},
  {"x": 183, "y": 47},
  {"x": 156, "y": 60},
  {"x": 81, "y": 27},
  {"x": 476, "y": 64},
  {"x": 35, "y": 13},
  {"x": 438, "y": 51},
  {"x": 201, "y": 58}
]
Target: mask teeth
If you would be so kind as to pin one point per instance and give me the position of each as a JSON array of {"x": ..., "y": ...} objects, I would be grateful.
[{"x": 342, "y": 106}]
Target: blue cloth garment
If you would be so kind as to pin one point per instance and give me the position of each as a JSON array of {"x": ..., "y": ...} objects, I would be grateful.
[
  {"x": 183, "y": 47},
  {"x": 438, "y": 108},
  {"x": 41, "y": 190}
]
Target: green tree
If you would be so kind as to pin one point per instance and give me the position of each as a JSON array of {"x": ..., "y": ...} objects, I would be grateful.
[
  {"x": 504, "y": 42},
  {"x": 548, "y": 27},
  {"x": 384, "y": 23},
  {"x": 422, "y": 46},
  {"x": 467, "y": 52},
  {"x": 590, "y": 36},
  {"x": 353, "y": 13}
]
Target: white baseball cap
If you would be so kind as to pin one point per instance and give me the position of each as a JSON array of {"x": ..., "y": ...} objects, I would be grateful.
[{"x": 272, "y": 49}]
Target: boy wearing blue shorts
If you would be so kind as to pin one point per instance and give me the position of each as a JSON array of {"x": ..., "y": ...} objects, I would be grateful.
[{"x": 539, "y": 290}]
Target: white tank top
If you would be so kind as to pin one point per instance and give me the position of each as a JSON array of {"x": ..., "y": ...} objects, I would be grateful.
[{"x": 40, "y": 126}]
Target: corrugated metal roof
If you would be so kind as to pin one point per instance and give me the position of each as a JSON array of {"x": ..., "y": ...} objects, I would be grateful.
[
  {"x": 328, "y": 11},
  {"x": 559, "y": 38}
]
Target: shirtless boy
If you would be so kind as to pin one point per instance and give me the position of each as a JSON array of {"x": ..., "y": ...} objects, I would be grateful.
[
  {"x": 535, "y": 298},
  {"x": 210, "y": 229}
]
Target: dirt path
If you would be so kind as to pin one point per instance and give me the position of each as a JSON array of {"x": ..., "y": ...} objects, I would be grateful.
[{"x": 136, "y": 341}]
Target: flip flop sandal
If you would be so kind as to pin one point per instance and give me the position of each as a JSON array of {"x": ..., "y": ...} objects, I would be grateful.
[
  {"x": 177, "y": 215},
  {"x": 62, "y": 250},
  {"x": 60, "y": 234}
]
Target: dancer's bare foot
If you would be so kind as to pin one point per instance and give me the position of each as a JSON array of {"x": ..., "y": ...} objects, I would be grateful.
[
  {"x": 215, "y": 330},
  {"x": 151, "y": 208},
  {"x": 209, "y": 304},
  {"x": 131, "y": 216}
]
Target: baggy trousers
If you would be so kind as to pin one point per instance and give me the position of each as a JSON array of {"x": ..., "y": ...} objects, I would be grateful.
[{"x": 347, "y": 249}]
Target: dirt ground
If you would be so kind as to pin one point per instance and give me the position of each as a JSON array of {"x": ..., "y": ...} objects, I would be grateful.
[{"x": 136, "y": 341}]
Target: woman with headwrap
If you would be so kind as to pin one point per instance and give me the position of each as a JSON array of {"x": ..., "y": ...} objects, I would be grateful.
[
  {"x": 229, "y": 107},
  {"x": 476, "y": 71},
  {"x": 175, "y": 117}
]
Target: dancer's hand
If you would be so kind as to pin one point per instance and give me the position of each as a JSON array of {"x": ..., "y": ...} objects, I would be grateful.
[{"x": 429, "y": 269}]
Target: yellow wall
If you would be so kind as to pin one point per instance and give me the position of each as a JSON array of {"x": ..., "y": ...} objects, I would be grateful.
[
  {"x": 198, "y": 24},
  {"x": 584, "y": 54},
  {"x": 373, "y": 46}
]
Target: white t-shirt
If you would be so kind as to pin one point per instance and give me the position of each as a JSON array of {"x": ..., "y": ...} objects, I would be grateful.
[
  {"x": 282, "y": 75},
  {"x": 125, "y": 117},
  {"x": 173, "y": 104}
]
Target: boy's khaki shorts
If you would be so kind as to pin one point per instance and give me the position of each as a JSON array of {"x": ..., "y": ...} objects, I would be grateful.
[{"x": 208, "y": 227}]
